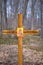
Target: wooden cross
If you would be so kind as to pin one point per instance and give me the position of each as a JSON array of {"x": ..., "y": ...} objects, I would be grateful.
[{"x": 20, "y": 33}]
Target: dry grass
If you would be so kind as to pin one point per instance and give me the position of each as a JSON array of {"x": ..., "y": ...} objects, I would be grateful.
[{"x": 33, "y": 42}]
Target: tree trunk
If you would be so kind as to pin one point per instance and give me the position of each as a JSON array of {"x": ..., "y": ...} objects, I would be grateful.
[
  {"x": 32, "y": 18},
  {"x": 5, "y": 14},
  {"x": 0, "y": 15},
  {"x": 23, "y": 6},
  {"x": 41, "y": 18}
]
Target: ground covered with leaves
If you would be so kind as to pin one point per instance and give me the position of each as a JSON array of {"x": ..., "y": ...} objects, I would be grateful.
[{"x": 32, "y": 52}]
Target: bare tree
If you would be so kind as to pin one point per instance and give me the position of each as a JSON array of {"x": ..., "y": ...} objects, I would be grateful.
[
  {"x": 41, "y": 8},
  {"x": 23, "y": 6},
  {"x": 0, "y": 14},
  {"x": 32, "y": 10},
  {"x": 15, "y": 6},
  {"x": 5, "y": 13}
]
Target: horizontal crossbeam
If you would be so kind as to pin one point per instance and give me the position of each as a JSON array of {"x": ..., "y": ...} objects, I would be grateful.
[
  {"x": 8, "y": 32},
  {"x": 31, "y": 31},
  {"x": 14, "y": 31}
]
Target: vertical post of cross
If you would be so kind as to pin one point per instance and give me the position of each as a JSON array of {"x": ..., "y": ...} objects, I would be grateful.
[{"x": 20, "y": 18}]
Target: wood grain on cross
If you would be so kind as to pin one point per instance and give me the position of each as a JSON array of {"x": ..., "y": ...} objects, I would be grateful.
[{"x": 19, "y": 32}]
